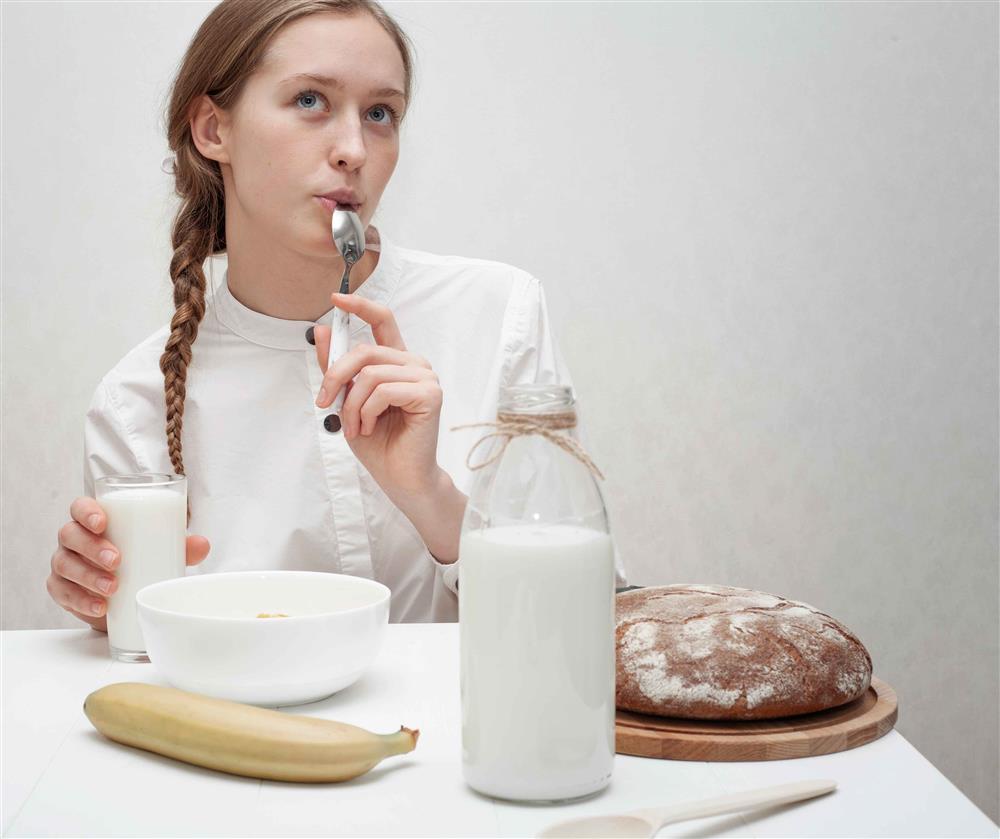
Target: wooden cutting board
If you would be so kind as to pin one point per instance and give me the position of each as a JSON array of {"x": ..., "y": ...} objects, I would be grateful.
[{"x": 824, "y": 732}]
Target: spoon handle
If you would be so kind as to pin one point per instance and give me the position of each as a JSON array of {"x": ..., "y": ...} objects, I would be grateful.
[
  {"x": 764, "y": 797},
  {"x": 340, "y": 332},
  {"x": 338, "y": 349}
]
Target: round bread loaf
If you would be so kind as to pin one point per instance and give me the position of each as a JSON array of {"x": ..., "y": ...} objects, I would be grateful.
[{"x": 722, "y": 653}]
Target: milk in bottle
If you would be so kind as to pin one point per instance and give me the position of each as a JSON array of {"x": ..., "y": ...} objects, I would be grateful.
[{"x": 536, "y": 614}]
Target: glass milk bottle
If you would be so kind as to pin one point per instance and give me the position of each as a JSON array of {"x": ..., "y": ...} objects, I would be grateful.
[{"x": 536, "y": 610}]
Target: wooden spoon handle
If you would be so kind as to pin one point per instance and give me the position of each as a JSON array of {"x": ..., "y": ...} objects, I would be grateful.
[{"x": 750, "y": 799}]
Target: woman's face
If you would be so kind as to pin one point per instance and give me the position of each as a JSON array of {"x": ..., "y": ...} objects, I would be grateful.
[{"x": 290, "y": 138}]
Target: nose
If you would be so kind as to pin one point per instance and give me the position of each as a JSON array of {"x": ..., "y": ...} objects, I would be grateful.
[{"x": 347, "y": 146}]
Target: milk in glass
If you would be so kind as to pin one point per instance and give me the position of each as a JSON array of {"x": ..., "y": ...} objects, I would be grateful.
[{"x": 147, "y": 522}]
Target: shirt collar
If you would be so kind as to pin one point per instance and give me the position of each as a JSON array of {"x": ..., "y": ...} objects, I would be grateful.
[{"x": 282, "y": 334}]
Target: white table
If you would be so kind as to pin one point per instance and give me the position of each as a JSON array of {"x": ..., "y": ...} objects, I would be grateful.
[{"x": 62, "y": 778}]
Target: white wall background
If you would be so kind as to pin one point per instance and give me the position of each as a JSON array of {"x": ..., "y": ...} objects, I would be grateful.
[{"x": 786, "y": 344}]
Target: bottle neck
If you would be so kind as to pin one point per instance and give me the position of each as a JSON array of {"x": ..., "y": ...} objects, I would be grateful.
[
  {"x": 524, "y": 423},
  {"x": 538, "y": 401}
]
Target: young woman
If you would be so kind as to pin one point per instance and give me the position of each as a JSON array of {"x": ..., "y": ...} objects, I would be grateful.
[{"x": 277, "y": 104}]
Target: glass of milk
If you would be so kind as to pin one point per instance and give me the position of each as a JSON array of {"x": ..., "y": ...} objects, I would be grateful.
[
  {"x": 536, "y": 614},
  {"x": 147, "y": 522}
]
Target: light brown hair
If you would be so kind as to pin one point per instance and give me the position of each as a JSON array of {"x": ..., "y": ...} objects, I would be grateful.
[{"x": 229, "y": 46}]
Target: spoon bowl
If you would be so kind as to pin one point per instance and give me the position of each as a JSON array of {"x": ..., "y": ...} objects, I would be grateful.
[
  {"x": 349, "y": 237},
  {"x": 612, "y": 827}
]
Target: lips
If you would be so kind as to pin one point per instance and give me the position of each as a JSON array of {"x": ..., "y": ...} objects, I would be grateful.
[{"x": 330, "y": 205}]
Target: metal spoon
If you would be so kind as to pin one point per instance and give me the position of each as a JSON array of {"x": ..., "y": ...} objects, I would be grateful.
[
  {"x": 349, "y": 237},
  {"x": 647, "y": 823}
]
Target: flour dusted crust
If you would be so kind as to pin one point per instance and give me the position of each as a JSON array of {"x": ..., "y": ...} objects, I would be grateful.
[{"x": 717, "y": 652}]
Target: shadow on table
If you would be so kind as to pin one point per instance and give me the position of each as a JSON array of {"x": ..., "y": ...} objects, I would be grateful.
[
  {"x": 540, "y": 805},
  {"x": 365, "y": 685},
  {"x": 87, "y": 644}
]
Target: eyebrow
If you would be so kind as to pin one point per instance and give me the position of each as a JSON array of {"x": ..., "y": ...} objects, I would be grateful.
[{"x": 330, "y": 81}]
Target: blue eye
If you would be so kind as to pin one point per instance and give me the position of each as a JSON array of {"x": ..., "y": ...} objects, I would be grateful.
[
  {"x": 313, "y": 94},
  {"x": 307, "y": 94},
  {"x": 393, "y": 116}
]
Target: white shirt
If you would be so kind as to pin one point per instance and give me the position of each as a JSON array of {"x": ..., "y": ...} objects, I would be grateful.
[{"x": 269, "y": 486}]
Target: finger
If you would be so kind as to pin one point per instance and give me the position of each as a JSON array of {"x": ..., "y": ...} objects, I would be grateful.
[
  {"x": 88, "y": 512},
  {"x": 380, "y": 318},
  {"x": 100, "y": 624},
  {"x": 345, "y": 369},
  {"x": 367, "y": 380},
  {"x": 197, "y": 549},
  {"x": 74, "y": 537},
  {"x": 73, "y": 567},
  {"x": 322, "y": 334},
  {"x": 420, "y": 398},
  {"x": 71, "y": 596}
]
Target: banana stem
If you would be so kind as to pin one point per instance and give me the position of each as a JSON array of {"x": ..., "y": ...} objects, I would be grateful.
[{"x": 402, "y": 741}]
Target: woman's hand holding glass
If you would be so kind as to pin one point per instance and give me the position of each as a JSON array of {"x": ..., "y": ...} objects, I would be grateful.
[{"x": 83, "y": 566}]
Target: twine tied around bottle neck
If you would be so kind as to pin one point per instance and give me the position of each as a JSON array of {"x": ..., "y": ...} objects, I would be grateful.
[{"x": 510, "y": 425}]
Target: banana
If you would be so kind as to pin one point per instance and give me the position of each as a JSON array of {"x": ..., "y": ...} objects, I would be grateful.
[{"x": 237, "y": 738}]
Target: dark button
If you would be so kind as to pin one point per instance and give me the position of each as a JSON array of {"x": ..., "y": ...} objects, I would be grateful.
[
  {"x": 311, "y": 336},
  {"x": 332, "y": 423}
]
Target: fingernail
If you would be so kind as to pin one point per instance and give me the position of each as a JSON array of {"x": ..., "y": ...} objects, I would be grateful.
[
  {"x": 96, "y": 607},
  {"x": 94, "y": 521},
  {"x": 321, "y": 399},
  {"x": 107, "y": 558},
  {"x": 104, "y": 585}
]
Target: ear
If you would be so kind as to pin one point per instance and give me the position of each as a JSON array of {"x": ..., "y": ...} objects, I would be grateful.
[{"x": 210, "y": 129}]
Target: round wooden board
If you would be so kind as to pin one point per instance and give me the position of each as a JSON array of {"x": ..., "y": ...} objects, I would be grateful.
[{"x": 824, "y": 732}]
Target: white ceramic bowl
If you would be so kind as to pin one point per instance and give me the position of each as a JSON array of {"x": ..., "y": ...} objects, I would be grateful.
[{"x": 203, "y": 634}]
